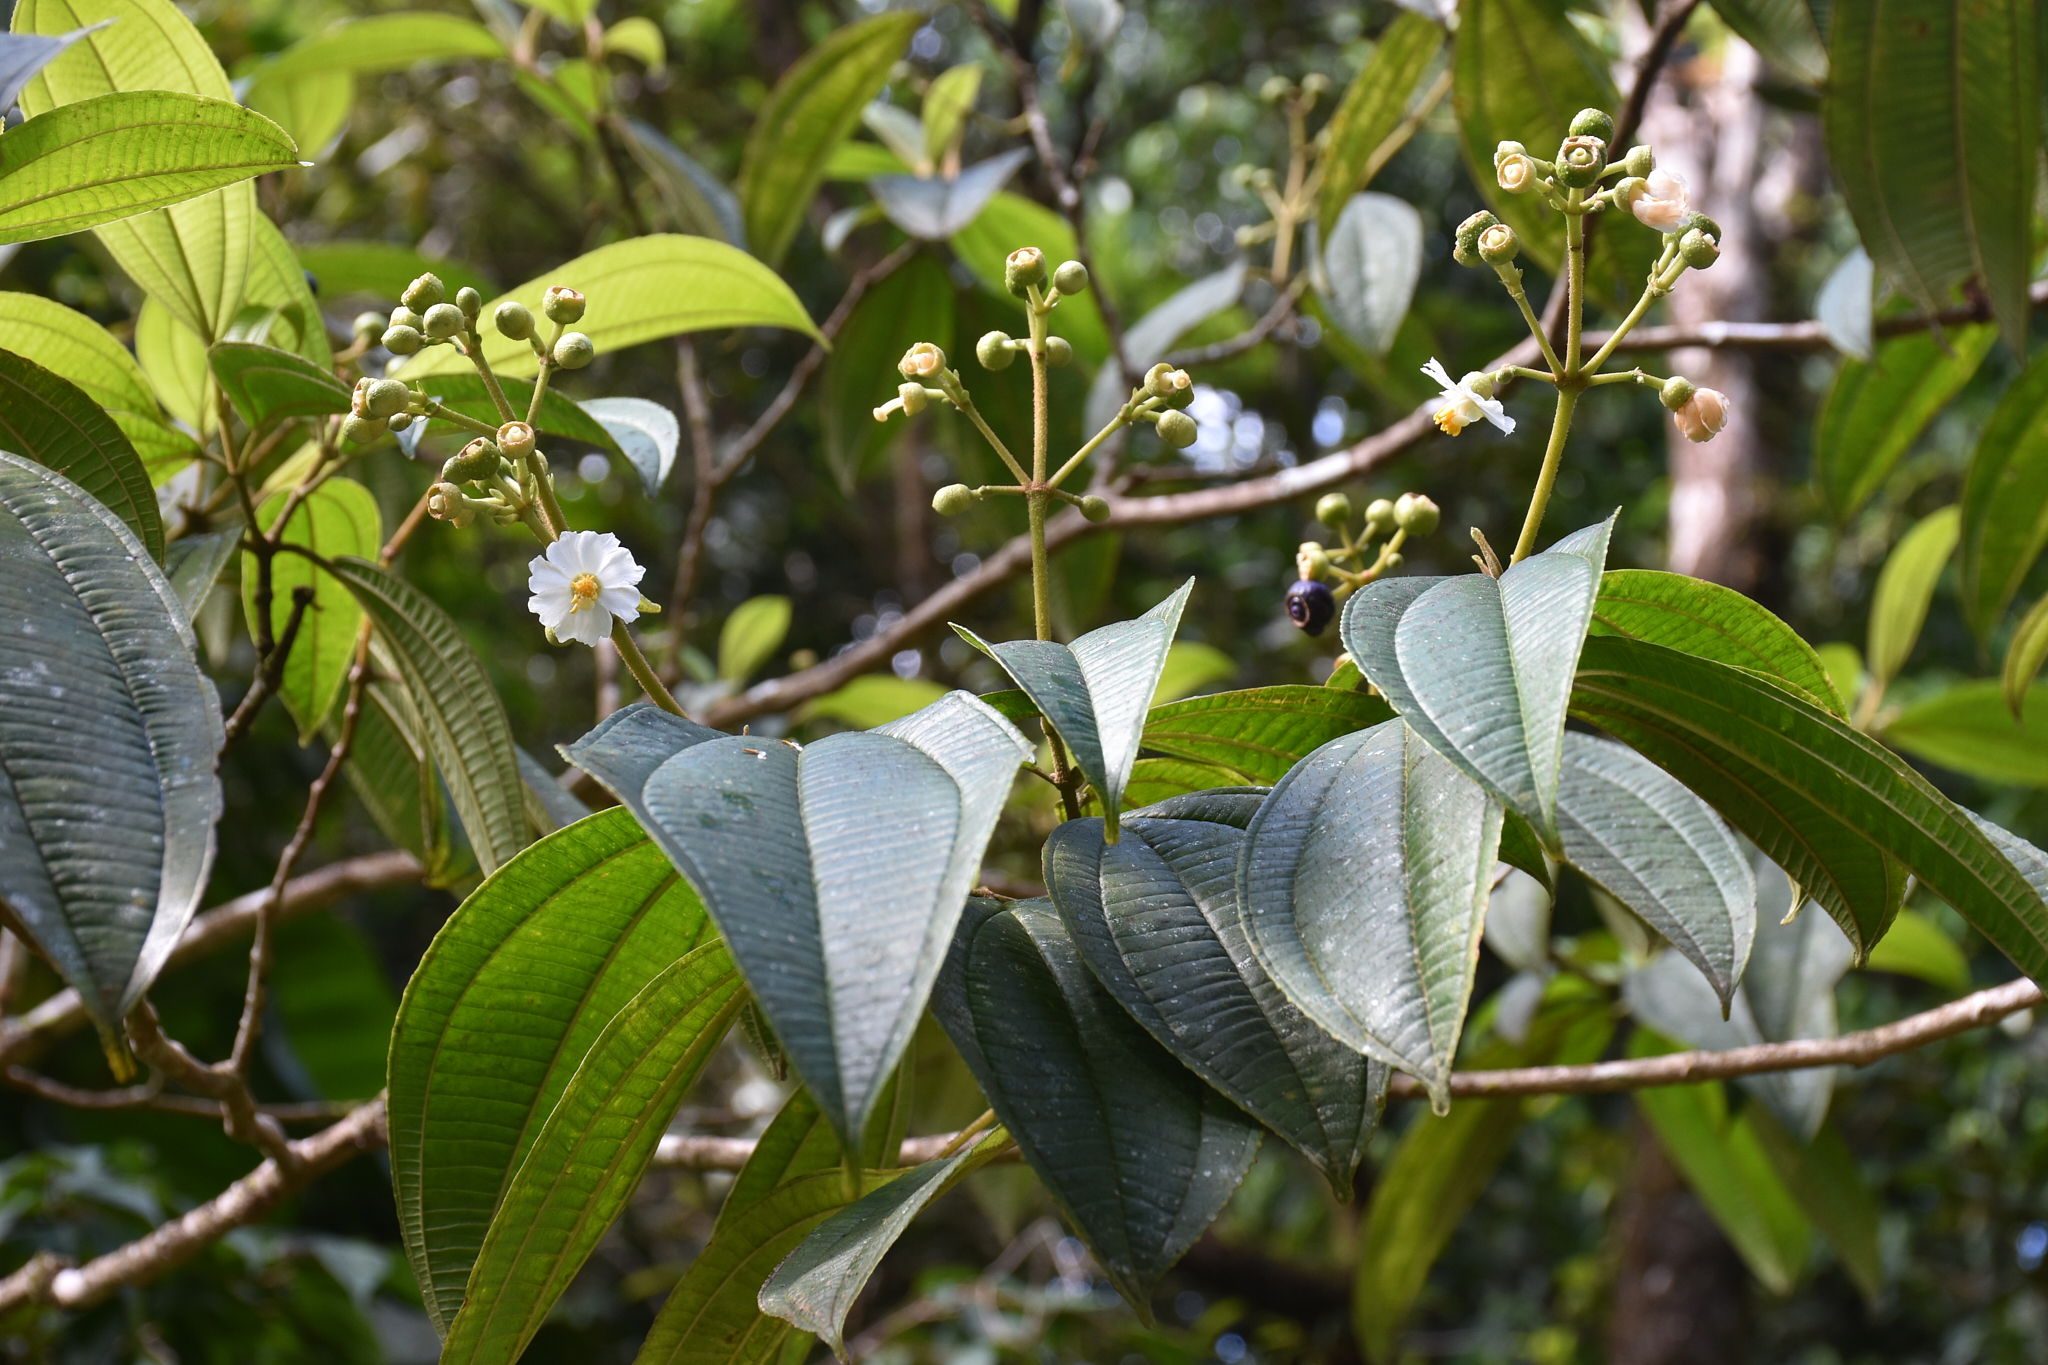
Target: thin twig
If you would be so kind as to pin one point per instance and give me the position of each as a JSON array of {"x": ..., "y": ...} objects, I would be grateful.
[
  {"x": 703, "y": 492},
  {"x": 239, "y": 1116},
  {"x": 1250, "y": 337},
  {"x": 1662, "y": 42},
  {"x": 270, "y": 673},
  {"x": 149, "y": 1096}
]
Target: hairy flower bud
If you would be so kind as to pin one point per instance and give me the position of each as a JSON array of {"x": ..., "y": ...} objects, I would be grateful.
[
  {"x": 1581, "y": 160},
  {"x": 368, "y": 325},
  {"x": 385, "y": 398},
  {"x": 513, "y": 319},
  {"x": 1416, "y": 514},
  {"x": 446, "y": 503},
  {"x": 1514, "y": 169},
  {"x": 1311, "y": 560},
  {"x": 1379, "y": 517},
  {"x": 1095, "y": 508},
  {"x": 996, "y": 351},
  {"x": 1498, "y": 245},
  {"x": 913, "y": 396},
  {"x": 398, "y": 421},
  {"x": 357, "y": 430},
  {"x": 444, "y": 320},
  {"x": 1071, "y": 278},
  {"x": 953, "y": 499},
  {"x": 1676, "y": 392},
  {"x": 1639, "y": 162},
  {"x": 469, "y": 301},
  {"x": 1334, "y": 511},
  {"x": 477, "y": 461},
  {"x": 1592, "y": 123},
  {"x": 1466, "y": 250},
  {"x": 574, "y": 350},
  {"x": 516, "y": 439},
  {"x": 1059, "y": 352},
  {"x": 1177, "y": 429},
  {"x": 423, "y": 293},
  {"x": 921, "y": 361},
  {"x": 403, "y": 340},
  {"x": 402, "y": 316},
  {"x": 1697, "y": 249},
  {"x": 1703, "y": 415},
  {"x": 562, "y": 304},
  {"x": 1024, "y": 268}
]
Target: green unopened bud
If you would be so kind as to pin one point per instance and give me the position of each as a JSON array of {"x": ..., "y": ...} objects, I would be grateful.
[
  {"x": 385, "y": 398},
  {"x": 513, "y": 319},
  {"x": 1315, "y": 83},
  {"x": 1581, "y": 160},
  {"x": 1702, "y": 222},
  {"x": 1311, "y": 560},
  {"x": 1698, "y": 250},
  {"x": 996, "y": 351},
  {"x": 1481, "y": 382},
  {"x": 953, "y": 499},
  {"x": 1395, "y": 561},
  {"x": 1334, "y": 511},
  {"x": 444, "y": 320},
  {"x": 1379, "y": 517},
  {"x": 1059, "y": 352},
  {"x": 403, "y": 340},
  {"x": 1639, "y": 162},
  {"x": 469, "y": 301},
  {"x": 1592, "y": 123},
  {"x": 369, "y": 325},
  {"x": 1275, "y": 89},
  {"x": 1071, "y": 278},
  {"x": 1416, "y": 514},
  {"x": 562, "y": 304},
  {"x": 516, "y": 439},
  {"x": 423, "y": 293},
  {"x": 1177, "y": 429},
  {"x": 921, "y": 361},
  {"x": 446, "y": 503},
  {"x": 574, "y": 350},
  {"x": 398, "y": 421},
  {"x": 360, "y": 430},
  {"x": 1498, "y": 245},
  {"x": 1024, "y": 268},
  {"x": 1676, "y": 393},
  {"x": 406, "y": 317},
  {"x": 476, "y": 462},
  {"x": 1466, "y": 248},
  {"x": 913, "y": 396},
  {"x": 1095, "y": 508}
]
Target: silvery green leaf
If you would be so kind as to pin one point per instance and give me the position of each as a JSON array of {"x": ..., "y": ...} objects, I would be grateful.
[
  {"x": 1481, "y": 668},
  {"x": 1364, "y": 880},
  {"x": 24, "y": 54},
  {"x": 1095, "y": 22},
  {"x": 1844, "y": 306},
  {"x": 1147, "y": 340},
  {"x": 695, "y": 196},
  {"x": 1518, "y": 923},
  {"x": 934, "y": 208},
  {"x": 549, "y": 805},
  {"x": 901, "y": 131},
  {"x": 646, "y": 431},
  {"x": 1369, "y": 267},
  {"x": 193, "y": 564}
]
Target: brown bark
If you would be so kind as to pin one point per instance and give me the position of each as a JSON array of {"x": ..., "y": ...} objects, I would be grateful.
[{"x": 1680, "y": 1292}]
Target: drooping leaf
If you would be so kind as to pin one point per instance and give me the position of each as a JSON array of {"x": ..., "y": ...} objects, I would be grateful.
[
  {"x": 1917, "y": 947},
  {"x": 74, "y": 347},
  {"x": 1875, "y": 412},
  {"x": 948, "y": 103},
  {"x": 174, "y": 359},
  {"x": 340, "y": 517},
  {"x": 751, "y": 635},
  {"x": 646, "y": 431},
  {"x": 1905, "y": 587},
  {"x": 590, "y": 1154},
  {"x": 697, "y": 200},
  {"x": 1481, "y": 668},
  {"x": 836, "y": 871},
  {"x": 1364, "y": 881},
  {"x": 1844, "y": 306},
  {"x": 391, "y": 770},
  {"x": 266, "y": 384},
  {"x": 1369, "y": 266},
  {"x": 193, "y": 564},
  {"x": 108, "y": 736},
  {"x": 812, "y": 109},
  {"x": 464, "y": 720},
  {"x": 504, "y": 1007},
  {"x": 1147, "y": 340},
  {"x": 1137, "y": 1152},
  {"x": 1259, "y": 733},
  {"x": 22, "y": 55},
  {"x": 640, "y": 289},
  {"x": 1840, "y": 813},
  {"x": 328, "y": 62},
  {"x": 1094, "y": 692},
  {"x": 933, "y": 208},
  {"x": 914, "y": 303},
  {"x": 1970, "y": 728},
  {"x": 380, "y": 270},
  {"x": 2024, "y": 655},
  {"x": 51, "y": 421},
  {"x": 2005, "y": 501},
  {"x": 1631, "y": 829},
  {"x": 1783, "y": 31},
  {"x": 1156, "y": 917},
  {"x": 1374, "y": 104},
  {"x": 1011, "y": 221},
  {"x": 1822, "y": 1177},
  {"x": 1713, "y": 622},
  {"x": 549, "y": 805}
]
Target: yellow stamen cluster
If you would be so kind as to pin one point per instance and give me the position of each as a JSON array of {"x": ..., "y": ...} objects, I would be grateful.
[{"x": 584, "y": 587}]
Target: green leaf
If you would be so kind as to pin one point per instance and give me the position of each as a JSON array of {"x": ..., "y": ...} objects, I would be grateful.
[
  {"x": 464, "y": 720},
  {"x": 74, "y": 347},
  {"x": 1845, "y": 670},
  {"x": 1011, "y": 221},
  {"x": 751, "y": 635},
  {"x": 810, "y": 111},
  {"x": 591, "y": 1152},
  {"x": 948, "y": 102},
  {"x": 1364, "y": 881},
  {"x": 335, "y": 1005},
  {"x": 193, "y": 564},
  {"x": 1933, "y": 124},
  {"x": 122, "y": 154},
  {"x": 1154, "y": 780},
  {"x": 277, "y": 286},
  {"x": 313, "y": 107},
  {"x": 266, "y": 384},
  {"x": 1374, "y": 104},
  {"x": 1094, "y": 692},
  {"x": 1368, "y": 267},
  {"x": 175, "y": 360},
  {"x": 1917, "y": 947},
  {"x": 1191, "y": 666},
  {"x": 869, "y": 701},
  {"x": 2005, "y": 500},
  {"x": 697, "y": 201},
  {"x": 1481, "y": 668},
  {"x": 2024, "y": 655},
  {"x": 503, "y": 1009},
  {"x": 1712, "y": 622},
  {"x": 328, "y": 62},
  {"x": 54, "y": 423},
  {"x": 933, "y": 208},
  {"x": 338, "y": 518},
  {"x": 22, "y": 55},
  {"x": 192, "y": 259},
  {"x": 108, "y": 736},
  {"x": 1905, "y": 587},
  {"x": 913, "y": 304},
  {"x": 1783, "y": 31},
  {"x": 1259, "y": 733},
  {"x": 1156, "y": 917},
  {"x": 1823, "y": 1179},
  {"x": 644, "y": 431},
  {"x": 391, "y": 771},
  {"x": 1970, "y": 728},
  {"x": 1136, "y": 1151},
  {"x": 1874, "y": 413},
  {"x": 836, "y": 871},
  {"x": 380, "y": 269},
  {"x": 640, "y": 289},
  {"x": 1632, "y": 830},
  {"x": 1836, "y": 810},
  {"x": 560, "y": 416}
]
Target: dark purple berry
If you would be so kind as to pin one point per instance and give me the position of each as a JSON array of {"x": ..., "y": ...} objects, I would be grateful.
[{"x": 1310, "y": 606}]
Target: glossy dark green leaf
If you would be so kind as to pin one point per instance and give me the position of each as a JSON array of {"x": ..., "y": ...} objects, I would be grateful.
[
  {"x": 108, "y": 736},
  {"x": 1136, "y": 1151},
  {"x": 1823, "y": 1178},
  {"x": 1481, "y": 668},
  {"x": 1713, "y": 622},
  {"x": 1874, "y": 413},
  {"x": 340, "y": 517},
  {"x": 266, "y": 384},
  {"x": 1261, "y": 732},
  {"x": 590, "y": 1154},
  {"x": 2005, "y": 501},
  {"x": 836, "y": 871},
  {"x": 53, "y": 422},
  {"x": 1970, "y": 728},
  {"x": 464, "y": 720},
  {"x": 1839, "y": 812},
  {"x": 1364, "y": 881},
  {"x": 1905, "y": 588},
  {"x": 1374, "y": 104},
  {"x": 1155, "y": 916},
  {"x": 912, "y": 304},
  {"x": 1095, "y": 692}
]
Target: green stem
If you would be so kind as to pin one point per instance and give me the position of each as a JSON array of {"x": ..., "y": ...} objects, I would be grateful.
[
  {"x": 440, "y": 413},
  {"x": 1116, "y": 424},
  {"x": 1651, "y": 293},
  {"x": 483, "y": 367},
  {"x": 544, "y": 486},
  {"x": 1575, "y": 286},
  {"x": 1521, "y": 298},
  {"x": 965, "y": 403},
  {"x": 642, "y": 671},
  {"x": 1553, "y": 457},
  {"x": 1527, "y": 372}
]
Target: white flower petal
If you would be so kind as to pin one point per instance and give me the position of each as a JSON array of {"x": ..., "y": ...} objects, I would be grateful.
[
  {"x": 551, "y": 607},
  {"x": 586, "y": 627},
  {"x": 1435, "y": 370}
]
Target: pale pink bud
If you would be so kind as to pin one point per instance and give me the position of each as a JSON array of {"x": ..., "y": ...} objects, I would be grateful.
[
  {"x": 1703, "y": 415},
  {"x": 1661, "y": 202}
]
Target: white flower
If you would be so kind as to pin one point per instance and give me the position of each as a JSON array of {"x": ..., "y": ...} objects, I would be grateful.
[
  {"x": 1703, "y": 415},
  {"x": 1662, "y": 201},
  {"x": 1461, "y": 404},
  {"x": 585, "y": 579}
]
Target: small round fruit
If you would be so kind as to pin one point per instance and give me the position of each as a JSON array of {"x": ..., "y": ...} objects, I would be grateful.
[
  {"x": 360, "y": 430},
  {"x": 574, "y": 351},
  {"x": 385, "y": 398},
  {"x": 444, "y": 320},
  {"x": 1094, "y": 508},
  {"x": 1177, "y": 429},
  {"x": 562, "y": 305},
  {"x": 1379, "y": 517},
  {"x": 399, "y": 421},
  {"x": 1416, "y": 514},
  {"x": 477, "y": 460},
  {"x": 423, "y": 293},
  {"x": 953, "y": 499},
  {"x": 403, "y": 340},
  {"x": 1311, "y": 606},
  {"x": 1334, "y": 511},
  {"x": 995, "y": 351},
  {"x": 1071, "y": 278},
  {"x": 1059, "y": 353},
  {"x": 514, "y": 320}
]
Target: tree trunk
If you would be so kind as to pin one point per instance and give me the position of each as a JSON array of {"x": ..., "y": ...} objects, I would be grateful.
[{"x": 1680, "y": 1291}]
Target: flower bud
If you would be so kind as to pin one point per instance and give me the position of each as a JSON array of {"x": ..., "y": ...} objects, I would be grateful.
[
  {"x": 1659, "y": 201},
  {"x": 1513, "y": 169},
  {"x": 1311, "y": 560},
  {"x": 446, "y": 503},
  {"x": 1095, "y": 508},
  {"x": 385, "y": 398},
  {"x": 1676, "y": 392},
  {"x": 1703, "y": 415},
  {"x": 405, "y": 317},
  {"x": 1177, "y": 429},
  {"x": 1416, "y": 514},
  {"x": 953, "y": 499},
  {"x": 1592, "y": 123},
  {"x": 1315, "y": 83},
  {"x": 561, "y": 304},
  {"x": 423, "y": 293},
  {"x": 1395, "y": 561},
  {"x": 514, "y": 320},
  {"x": 1071, "y": 278},
  {"x": 1379, "y": 517},
  {"x": 995, "y": 351},
  {"x": 403, "y": 340},
  {"x": 444, "y": 320},
  {"x": 1059, "y": 352},
  {"x": 914, "y": 397},
  {"x": 1581, "y": 160},
  {"x": 1466, "y": 250},
  {"x": 1497, "y": 245},
  {"x": 1697, "y": 249},
  {"x": 1180, "y": 388},
  {"x": 574, "y": 350},
  {"x": 1705, "y": 224},
  {"x": 398, "y": 421},
  {"x": 477, "y": 461},
  {"x": 358, "y": 430},
  {"x": 1334, "y": 511},
  {"x": 368, "y": 325},
  {"x": 921, "y": 361},
  {"x": 355, "y": 398},
  {"x": 1480, "y": 382},
  {"x": 516, "y": 440},
  {"x": 469, "y": 301},
  {"x": 1024, "y": 268},
  {"x": 1639, "y": 162},
  {"x": 1275, "y": 89}
]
